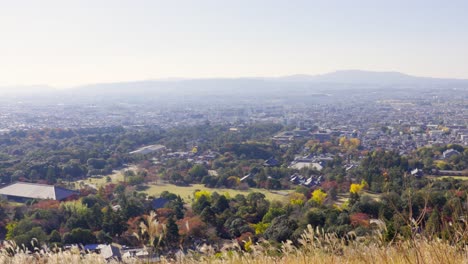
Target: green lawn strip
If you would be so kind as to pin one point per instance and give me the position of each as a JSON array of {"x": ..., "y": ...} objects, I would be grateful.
[{"x": 186, "y": 192}]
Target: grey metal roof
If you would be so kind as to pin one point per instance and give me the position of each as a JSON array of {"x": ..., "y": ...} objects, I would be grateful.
[
  {"x": 36, "y": 191},
  {"x": 109, "y": 251}
]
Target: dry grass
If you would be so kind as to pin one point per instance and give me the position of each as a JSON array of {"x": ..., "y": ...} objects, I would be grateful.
[
  {"x": 314, "y": 247},
  {"x": 13, "y": 254},
  {"x": 317, "y": 247}
]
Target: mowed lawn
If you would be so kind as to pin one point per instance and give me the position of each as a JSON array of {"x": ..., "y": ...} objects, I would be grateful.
[
  {"x": 463, "y": 178},
  {"x": 96, "y": 182},
  {"x": 344, "y": 197},
  {"x": 186, "y": 192}
]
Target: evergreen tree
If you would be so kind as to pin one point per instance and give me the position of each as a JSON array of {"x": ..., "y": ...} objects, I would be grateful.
[{"x": 172, "y": 235}]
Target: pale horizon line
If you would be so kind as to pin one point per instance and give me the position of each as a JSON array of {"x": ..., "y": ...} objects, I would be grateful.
[{"x": 178, "y": 78}]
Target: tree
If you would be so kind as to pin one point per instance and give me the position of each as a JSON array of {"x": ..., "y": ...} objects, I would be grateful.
[
  {"x": 221, "y": 204},
  {"x": 51, "y": 175},
  {"x": 197, "y": 172},
  {"x": 172, "y": 232},
  {"x": 177, "y": 204},
  {"x": 319, "y": 196},
  {"x": 208, "y": 216},
  {"x": 281, "y": 229},
  {"x": 34, "y": 175},
  {"x": 176, "y": 179},
  {"x": 297, "y": 198},
  {"x": 357, "y": 188},
  {"x": 112, "y": 222},
  {"x": 103, "y": 237},
  {"x": 96, "y": 163},
  {"x": 55, "y": 237},
  {"x": 315, "y": 217},
  {"x": 200, "y": 204},
  {"x": 35, "y": 234},
  {"x": 79, "y": 236},
  {"x": 237, "y": 226},
  {"x": 273, "y": 212},
  {"x": 94, "y": 217}
]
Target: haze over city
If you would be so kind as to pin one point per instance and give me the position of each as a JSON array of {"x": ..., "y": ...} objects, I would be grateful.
[
  {"x": 233, "y": 131},
  {"x": 70, "y": 43}
]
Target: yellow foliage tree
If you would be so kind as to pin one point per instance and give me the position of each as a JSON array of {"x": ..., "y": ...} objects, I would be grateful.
[
  {"x": 364, "y": 184},
  {"x": 349, "y": 144},
  {"x": 260, "y": 227},
  {"x": 199, "y": 194},
  {"x": 357, "y": 188},
  {"x": 342, "y": 141},
  {"x": 297, "y": 198},
  {"x": 319, "y": 196},
  {"x": 232, "y": 181},
  {"x": 354, "y": 143}
]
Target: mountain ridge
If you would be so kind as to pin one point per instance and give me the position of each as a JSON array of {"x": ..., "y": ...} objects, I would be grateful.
[{"x": 368, "y": 79}]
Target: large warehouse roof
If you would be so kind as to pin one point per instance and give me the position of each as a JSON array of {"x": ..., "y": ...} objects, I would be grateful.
[{"x": 36, "y": 191}]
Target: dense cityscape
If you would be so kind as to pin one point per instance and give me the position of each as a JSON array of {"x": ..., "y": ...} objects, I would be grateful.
[{"x": 93, "y": 173}]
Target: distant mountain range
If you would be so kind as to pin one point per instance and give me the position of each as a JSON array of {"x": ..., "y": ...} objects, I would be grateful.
[
  {"x": 346, "y": 79},
  {"x": 368, "y": 77}
]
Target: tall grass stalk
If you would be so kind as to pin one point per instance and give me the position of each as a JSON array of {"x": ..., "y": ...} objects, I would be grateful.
[{"x": 314, "y": 246}]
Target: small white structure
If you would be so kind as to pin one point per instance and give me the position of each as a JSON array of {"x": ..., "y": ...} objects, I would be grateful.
[{"x": 148, "y": 149}]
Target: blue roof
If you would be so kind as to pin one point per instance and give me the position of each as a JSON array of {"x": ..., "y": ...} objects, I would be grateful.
[
  {"x": 159, "y": 203},
  {"x": 91, "y": 247}
]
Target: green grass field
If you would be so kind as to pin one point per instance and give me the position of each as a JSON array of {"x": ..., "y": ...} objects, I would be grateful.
[
  {"x": 186, "y": 192},
  {"x": 97, "y": 182},
  {"x": 374, "y": 196},
  {"x": 463, "y": 178},
  {"x": 344, "y": 197}
]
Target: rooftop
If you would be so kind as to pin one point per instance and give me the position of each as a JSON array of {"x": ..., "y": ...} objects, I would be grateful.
[{"x": 36, "y": 191}]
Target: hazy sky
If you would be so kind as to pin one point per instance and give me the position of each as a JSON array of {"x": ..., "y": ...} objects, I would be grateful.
[{"x": 66, "y": 43}]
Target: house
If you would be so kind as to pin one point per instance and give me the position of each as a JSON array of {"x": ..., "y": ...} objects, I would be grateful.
[
  {"x": 136, "y": 253},
  {"x": 296, "y": 178},
  {"x": 23, "y": 191},
  {"x": 349, "y": 167},
  {"x": 91, "y": 247},
  {"x": 300, "y": 165},
  {"x": 246, "y": 177},
  {"x": 321, "y": 136},
  {"x": 148, "y": 149},
  {"x": 159, "y": 203},
  {"x": 449, "y": 153},
  {"x": 271, "y": 162},
  {"x": 110, "y": 252},
  {"x": 417, "y": 173}
]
